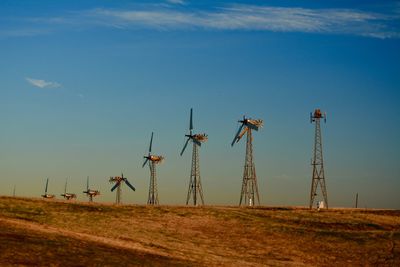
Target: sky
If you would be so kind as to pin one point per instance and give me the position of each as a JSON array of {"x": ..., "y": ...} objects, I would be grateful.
[{"x": 84, "y": 83}]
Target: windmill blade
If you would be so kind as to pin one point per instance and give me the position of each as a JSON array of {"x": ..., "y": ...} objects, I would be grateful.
[
  {"x": 115, "y": 186},
  {"x": 237, "y": 134},
  {"x": 47, "y": 183},
  {"x": 144, "y": 163},
  {"x": 184, "y": 147},
  {"x": 191, "y": 119},
  {"x": 87, "y": 184},
  {"x": 151, "y": 142},
  {"x": 65, "y": 188},
  {"x": 242, "y": 133},
  {"x": 129, "y": 184}
]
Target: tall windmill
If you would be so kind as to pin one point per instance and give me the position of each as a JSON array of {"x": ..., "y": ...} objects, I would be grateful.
[
  {"x": 90, "y": 192},
  {"x": 318, "y": 175},
  {"x": 152, "y": 160},
  {"x": 119, "y": 180},
  {"x": 195, "y": 188},
  {"x": 45, "y": 191},
  {"x": 66, "y": 195},
  {"x": 249, "y": 185}
]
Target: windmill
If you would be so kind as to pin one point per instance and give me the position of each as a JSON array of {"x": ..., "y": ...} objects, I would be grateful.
[
  {"x": 249, "y": 185},
  {"x": 195, "y": 188},
  {"x": 152, "y": 160},
  {"x": 90, "y": 192},
  {"x": 45, "y": 191},
  {"x": 119, "y": 180},
  {"x": 318, "y": 175},
  {"x": 66, "y": 195}
]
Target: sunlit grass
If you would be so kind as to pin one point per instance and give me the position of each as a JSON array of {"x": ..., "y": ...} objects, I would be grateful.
[{"x": 224, "y": 235}]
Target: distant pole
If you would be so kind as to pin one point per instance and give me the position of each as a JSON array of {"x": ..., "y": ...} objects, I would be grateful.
[
  {"x": 356, "y": 200},
  {"x": 14, "y": 191}
]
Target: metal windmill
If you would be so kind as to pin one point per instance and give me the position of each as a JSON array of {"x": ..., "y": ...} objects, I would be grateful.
[
  {"x": 45, "y": 191},
  {"x": 119, "y": 180},
  {"x": 318, "y": 175},
  {"x": 249, "y": 185},
  {"x": 90, "y": 192},
  {"x": 195, "y": 188},
  {"x": 152, "y": 160},
  {"x": 66, "y": 195}
]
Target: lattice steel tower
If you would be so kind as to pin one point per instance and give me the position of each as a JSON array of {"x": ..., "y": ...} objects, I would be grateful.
[
  {"x": 249, "y": 194},
  {"x": 318, "y": 176},
  {"x": 195, "y": 190},
  {"x": 153, "y": 160}
]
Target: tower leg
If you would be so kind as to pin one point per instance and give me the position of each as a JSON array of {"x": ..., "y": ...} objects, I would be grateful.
[{"x": 249, "y": 194}]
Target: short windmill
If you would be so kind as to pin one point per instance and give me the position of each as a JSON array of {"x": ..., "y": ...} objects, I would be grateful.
[
  {"x": 119, "y": 180},
  {"x": 152, "y": 160},
  {"x": 45, "y": 191},
  {"x": 249, "y": 185},
  {"x": 195, "y": 188},
  {"x": 90, "y": 192},
  {"x": 66, "y": 195}
]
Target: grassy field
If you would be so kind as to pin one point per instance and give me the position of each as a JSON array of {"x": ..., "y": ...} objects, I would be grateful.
[{"x": 54, "y": 233}]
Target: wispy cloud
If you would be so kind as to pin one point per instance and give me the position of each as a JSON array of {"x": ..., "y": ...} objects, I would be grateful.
[
  {"x": 42, "y": 83},
  {"x": 177, "y": 2},
  {"x": 382, "y": 24},
  {"x": 256, "y": 18}
]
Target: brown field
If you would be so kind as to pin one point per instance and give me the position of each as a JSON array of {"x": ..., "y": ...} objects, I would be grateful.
[{"x": 55, "y": 233}]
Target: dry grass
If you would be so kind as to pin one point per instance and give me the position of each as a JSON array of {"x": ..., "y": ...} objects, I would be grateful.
[{"x": 37, "y": 231}]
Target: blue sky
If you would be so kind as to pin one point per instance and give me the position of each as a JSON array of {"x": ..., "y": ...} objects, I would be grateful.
[{"x": 84, "y": 83}]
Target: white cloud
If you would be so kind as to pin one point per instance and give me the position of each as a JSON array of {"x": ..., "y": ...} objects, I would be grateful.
[
  {"x": 43, "y": 83},
  {"x": 177, "y": 2},
  {"x": 258, "y": 18},
  {"x": 383, "y": 24}
]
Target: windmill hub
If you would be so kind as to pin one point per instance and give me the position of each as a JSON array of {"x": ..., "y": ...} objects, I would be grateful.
[{"x": 200, "y": 137}]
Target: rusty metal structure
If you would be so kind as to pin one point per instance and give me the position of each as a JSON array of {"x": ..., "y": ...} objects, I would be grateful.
[
  {"x": 195, "y": 190},
  {"x": 45, "y": 195},
  {"x": 90, "y": 192},
  {"x": 249, "y": 195},
  {"x": 68, "y": 196},
  {"x": 317, "y": 162},
  {"x": 119, "y": 180},
  {"x": 152, "y": 160}
]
